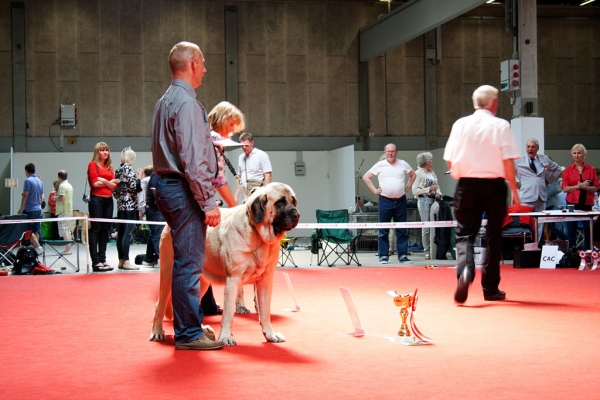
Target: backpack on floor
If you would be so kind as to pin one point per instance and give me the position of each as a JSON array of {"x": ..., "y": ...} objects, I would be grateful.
[
  {"x": 26, "y": 261},
  {"x": 139, "y": 259}
]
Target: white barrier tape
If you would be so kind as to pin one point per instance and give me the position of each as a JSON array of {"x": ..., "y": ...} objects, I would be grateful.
[
  {"x": 350, "y": 225},
  {"x": 127, "y": 221},
  {"x": 560, "y": 219},
  {"x": 379, "y": 225},
  {"x": 28, "y": 221}
]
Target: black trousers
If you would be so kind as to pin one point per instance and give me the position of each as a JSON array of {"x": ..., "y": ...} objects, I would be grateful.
[
  {"x": 99, "y": 207},
  {"x": 473, "y": 197}
]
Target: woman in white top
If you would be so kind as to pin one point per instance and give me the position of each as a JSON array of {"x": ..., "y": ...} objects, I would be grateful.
[{"x": 426, "y": 190}]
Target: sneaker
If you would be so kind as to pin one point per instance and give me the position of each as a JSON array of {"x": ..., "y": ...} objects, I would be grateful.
[
  {"x": 39, "y": 250},
  {"x": 202, "y": 343},
  {"x": 383, "y": 260},
  {"x": 148, "y": 264},
  {"x": 404, "y": 259}
]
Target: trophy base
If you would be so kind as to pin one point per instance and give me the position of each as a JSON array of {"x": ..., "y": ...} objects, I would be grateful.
[{"x": 405, "y": 340}]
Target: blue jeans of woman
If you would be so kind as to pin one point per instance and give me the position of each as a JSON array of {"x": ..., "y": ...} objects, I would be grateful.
[
  {"x": 186, "y": 219},
  {"x": 99, "y": 207},
  {"x": 572, "y": 229},
  {"x": 424, "y": 206},
  {"x": 388, "y": 209},
  {"x": 124, "y": 233},
  {"x": 152, "y": 252}
]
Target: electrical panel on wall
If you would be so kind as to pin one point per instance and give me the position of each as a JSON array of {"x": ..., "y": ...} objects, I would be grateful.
[
  {"x": 510, "y": 75},
  {"x": 300, "y": 168},
  {"x": 68, "y": 116}
]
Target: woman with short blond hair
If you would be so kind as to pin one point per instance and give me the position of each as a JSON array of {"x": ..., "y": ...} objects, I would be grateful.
[
  {"x": 127, "y": 205},
  {"x": 580, "y": 181}
]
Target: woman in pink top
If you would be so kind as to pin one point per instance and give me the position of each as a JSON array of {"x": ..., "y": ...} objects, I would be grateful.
[{"x": 101, "y": 177}]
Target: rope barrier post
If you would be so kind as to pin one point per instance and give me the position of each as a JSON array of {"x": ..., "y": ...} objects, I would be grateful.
[{"x": 87, "y": 245}]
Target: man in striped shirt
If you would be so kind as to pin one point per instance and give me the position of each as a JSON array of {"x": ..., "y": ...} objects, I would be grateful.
[{"x": 254, "y": 166}]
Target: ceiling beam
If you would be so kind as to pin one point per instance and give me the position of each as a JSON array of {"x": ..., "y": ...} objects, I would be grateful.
[{"x": 408, "y": 22}]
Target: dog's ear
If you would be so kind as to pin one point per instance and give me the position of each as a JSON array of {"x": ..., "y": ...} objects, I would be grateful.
[{"x": 258, "y": 208}]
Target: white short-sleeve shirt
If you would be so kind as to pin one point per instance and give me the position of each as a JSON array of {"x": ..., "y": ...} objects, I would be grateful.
[
  {"x": 391, "y": 177},
  {"x": 478, "y": 145},
  {"x": 254, "y": 166}
]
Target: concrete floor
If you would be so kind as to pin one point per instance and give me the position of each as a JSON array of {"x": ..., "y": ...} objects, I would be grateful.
[{"x": 301, "y": 254}]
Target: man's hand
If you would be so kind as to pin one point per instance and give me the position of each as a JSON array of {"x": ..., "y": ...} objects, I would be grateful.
[
  {"x": 516, "y": 200},
  {"x": 213, "y": 217}
]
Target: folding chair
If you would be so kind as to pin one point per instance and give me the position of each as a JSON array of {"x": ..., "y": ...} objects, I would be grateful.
[
  {"x": 287, "y": 245},
  {"x": 52, "y": 244},
  {"x": 7, "y": 252},
  {"x": 338, "y": 243}
]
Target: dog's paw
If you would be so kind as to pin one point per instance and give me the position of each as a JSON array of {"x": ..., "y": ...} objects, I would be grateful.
[
  {"x": 157, "y": 336},
  {"x": 228, "y": 341},
  {"x": 276, "y": 337},
  {"x": 241, "y": 310}
]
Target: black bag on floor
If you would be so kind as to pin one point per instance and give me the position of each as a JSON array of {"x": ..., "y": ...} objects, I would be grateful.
[
  {"x": 139, "y": 258},
  {"x": 26, "y": 261},
  {"x": 570, "y": 259}
]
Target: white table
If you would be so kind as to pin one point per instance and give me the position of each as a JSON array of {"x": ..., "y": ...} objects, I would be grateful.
[{"x": 561, "y": 216}]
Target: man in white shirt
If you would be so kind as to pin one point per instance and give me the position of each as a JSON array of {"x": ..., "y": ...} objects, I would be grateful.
[
  {"x": 391, "y": 174},
  {"x": 254, "y": 166},
  {"x": 480, "y": 153},
  {"x": 64, "y": 208}
]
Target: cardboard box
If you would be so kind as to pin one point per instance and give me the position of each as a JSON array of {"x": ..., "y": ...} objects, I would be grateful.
[{"x": 527, "y": 258}]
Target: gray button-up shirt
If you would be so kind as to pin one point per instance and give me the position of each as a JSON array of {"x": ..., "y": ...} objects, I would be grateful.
[{"x": 181, "y": 142}]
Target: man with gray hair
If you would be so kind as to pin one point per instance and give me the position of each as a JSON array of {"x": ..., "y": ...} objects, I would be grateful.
[
  {"x": 391, "y": 174},
  {"x": 184, "y": 157},
  {"x": 534, "y": 173},
  {"x": 480, "y": 153}
]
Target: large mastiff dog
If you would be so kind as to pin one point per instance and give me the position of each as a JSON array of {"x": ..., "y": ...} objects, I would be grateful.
[{"x": 242, "y": 249}]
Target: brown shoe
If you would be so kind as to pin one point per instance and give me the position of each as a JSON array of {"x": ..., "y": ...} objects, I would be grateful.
[
  {"x": 127, "y": 266},
  {"x": 202, "y": 343}
]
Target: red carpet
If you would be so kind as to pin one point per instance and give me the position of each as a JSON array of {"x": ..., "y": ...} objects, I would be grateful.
[{"x": 71, "y": 337}]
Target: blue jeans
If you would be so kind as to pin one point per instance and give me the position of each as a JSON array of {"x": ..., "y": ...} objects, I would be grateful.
[
  {"x": 387, "y": 210},
  {"x": 124, "y": 233},
  {"x": 424, "y": 207},
  {"x": 186, "y": 219},
  {"x": 34, "y": 226},
  {"x": 572, "y": 229},
  {"x": 152, "y": 252},
  {"x": 99, "y": 207}
]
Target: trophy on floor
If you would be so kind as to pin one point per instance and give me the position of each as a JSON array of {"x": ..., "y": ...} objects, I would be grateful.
[
  {"x": 408, "y": 333},
  {"x": 595, "y": 259},
  {"x": 404, "y": 301},
  {"x": 583, "y": 256}
]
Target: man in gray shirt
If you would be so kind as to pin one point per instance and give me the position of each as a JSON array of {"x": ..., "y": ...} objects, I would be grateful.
[{"x": 184, "y": 157}]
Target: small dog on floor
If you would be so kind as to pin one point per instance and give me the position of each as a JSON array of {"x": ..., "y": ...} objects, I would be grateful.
[{"x": 242, "y": 249}]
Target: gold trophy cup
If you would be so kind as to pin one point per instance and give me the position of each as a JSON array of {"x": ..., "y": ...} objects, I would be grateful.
[{"x": 404, "y": 301}]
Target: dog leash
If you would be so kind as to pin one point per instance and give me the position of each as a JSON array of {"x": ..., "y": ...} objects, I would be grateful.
[{"x": 237, "y": 177}]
